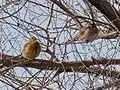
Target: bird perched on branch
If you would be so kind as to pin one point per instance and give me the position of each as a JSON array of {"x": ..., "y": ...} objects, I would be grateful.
[
  {"x": 31, "y": 49},
  {"x": 87, "y": 34}
]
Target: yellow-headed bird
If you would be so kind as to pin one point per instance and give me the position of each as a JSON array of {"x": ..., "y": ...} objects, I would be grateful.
[{"x": 31, "y": 49}]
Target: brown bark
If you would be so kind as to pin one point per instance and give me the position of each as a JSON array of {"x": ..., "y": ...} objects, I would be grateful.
[
  {"x": 112, "y": 35},
  {"x": 108, "y": 10},
  {"x": 42, "y": 64},
  {"x": 86, "y": 66}
]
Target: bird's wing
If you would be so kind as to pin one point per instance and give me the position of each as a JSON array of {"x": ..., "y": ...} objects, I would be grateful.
[
  {"x": 82, "y": 31},
  {"x": 28, "y": 43}
]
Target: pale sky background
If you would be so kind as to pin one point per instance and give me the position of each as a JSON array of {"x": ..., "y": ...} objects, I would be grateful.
[{"x": 18, "y": 33}]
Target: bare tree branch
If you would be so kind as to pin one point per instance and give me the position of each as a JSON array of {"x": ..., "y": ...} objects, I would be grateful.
[
  {"x": 78, "y": 66},
  {"x": 108, "y": 10},
  {"x": 115, "y": 83},
  {"x": 63, "y": 65},
  {"x": 112, "y": 35},
  {"x": 71, "y": 14}
]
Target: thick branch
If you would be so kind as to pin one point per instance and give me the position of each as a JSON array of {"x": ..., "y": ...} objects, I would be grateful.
[
  {"x": 112, "y": 35},
  {"x": 41, "y": 64},
  {"x": 108, "y": 10},
  {"x": 76, "y": 66}
]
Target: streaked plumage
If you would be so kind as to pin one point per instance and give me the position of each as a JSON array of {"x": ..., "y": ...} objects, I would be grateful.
[
  {"x": 87, "y": 34},
  {"x": 31, "y": 49}
]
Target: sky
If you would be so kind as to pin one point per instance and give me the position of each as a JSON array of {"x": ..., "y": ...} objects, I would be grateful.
[{"x": 16, "y": 32}]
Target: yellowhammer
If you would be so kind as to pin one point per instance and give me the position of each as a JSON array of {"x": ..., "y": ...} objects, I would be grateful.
[{"x": 31, "y": 49}]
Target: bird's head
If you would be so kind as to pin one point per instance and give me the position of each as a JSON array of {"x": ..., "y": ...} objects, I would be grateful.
[
  {"x": 32, "y": 38},
  {"x": 93, "y": 25}
]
